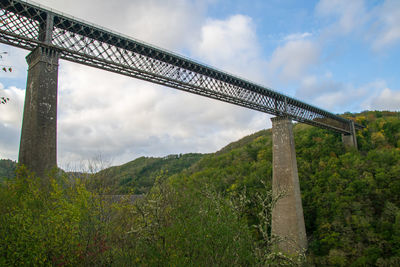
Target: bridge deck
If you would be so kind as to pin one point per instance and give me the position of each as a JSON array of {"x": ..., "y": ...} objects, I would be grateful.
[{"x": 26, "y": 25}]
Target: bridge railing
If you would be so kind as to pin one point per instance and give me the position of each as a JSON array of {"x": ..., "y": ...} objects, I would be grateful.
[{"x": 27, "y": 25}]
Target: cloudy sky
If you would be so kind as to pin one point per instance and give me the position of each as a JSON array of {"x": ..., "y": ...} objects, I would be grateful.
[{"x": 339, "y": 55}]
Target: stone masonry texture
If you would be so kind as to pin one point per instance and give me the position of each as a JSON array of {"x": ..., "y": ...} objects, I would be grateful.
[
  {"x": 38, "y": 146},
  {"x": 287, "y": 215}
]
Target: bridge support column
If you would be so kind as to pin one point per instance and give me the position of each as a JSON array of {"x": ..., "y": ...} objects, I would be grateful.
[
  {"x": 38, "y": 146},
  {"x": 350, "y": 140},
  {"x": 287, "y": 215}
]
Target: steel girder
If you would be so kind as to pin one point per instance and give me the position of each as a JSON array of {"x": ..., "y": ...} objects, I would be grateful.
[{"x": 28, "y": 25}]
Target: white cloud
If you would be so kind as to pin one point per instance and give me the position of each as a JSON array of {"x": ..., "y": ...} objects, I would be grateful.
[
  {"x": 10, "y": 121},
  {"x": 338, "y": 97},
  {"x": 11, "y": 113},
  {"x": 232, "y": 45},
  {"x": 223, "y": 39},
  {"x": 292, "y": 60},
  {"x": 379, "y": 26},
  {"x": 170, "y": 24},
  {"x": 344, "y": 98},
  {"x": 297, "y": 36},
  {"x": 102, "y": 113},
  {"x": 329, "y": 94},
  {"x": 349, "y": 15},
  {"x": 384, "y": 99},
  {"x": 386, "y": 29}
]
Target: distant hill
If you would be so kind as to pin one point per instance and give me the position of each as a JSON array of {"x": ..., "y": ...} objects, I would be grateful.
[
  {"x": 135, "y": 177},
  {"x": 138, "y": 176}
]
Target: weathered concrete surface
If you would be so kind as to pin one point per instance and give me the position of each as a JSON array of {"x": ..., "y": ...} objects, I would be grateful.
[
  {"x": 350, "y": 140},
  {"x": 287, "y": 215},
  {"x": 38, "y": 146}
]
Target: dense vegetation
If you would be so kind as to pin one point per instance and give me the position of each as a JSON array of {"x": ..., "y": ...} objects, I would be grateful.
[
  {"x": 351, "y": 199},
  {"x": 138, "y": 176},
  {"x": 134, "y": 177},
  {"x": 56, "y": 221},
  {"x": 214, "y": 209},
  {"x": 7, "y": 169}
]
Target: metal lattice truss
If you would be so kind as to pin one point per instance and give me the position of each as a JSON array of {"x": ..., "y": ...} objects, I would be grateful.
[{"x": 28, "y": 25}]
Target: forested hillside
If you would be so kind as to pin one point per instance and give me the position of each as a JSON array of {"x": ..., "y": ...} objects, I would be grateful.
[
  {"x": 351, "y": 199},
  {"x": 138, "y": 176},
  {"x": 134, "y": 177},
  {"x": 214, "y": 209}
]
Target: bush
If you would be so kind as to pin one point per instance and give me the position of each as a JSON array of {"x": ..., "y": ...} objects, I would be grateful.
[{"x": 52, "y": 223}]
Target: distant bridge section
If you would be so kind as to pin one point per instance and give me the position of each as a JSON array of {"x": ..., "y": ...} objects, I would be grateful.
[{"x": 28, "y": 25}]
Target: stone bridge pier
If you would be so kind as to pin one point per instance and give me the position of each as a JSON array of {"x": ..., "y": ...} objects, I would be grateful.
[
  {"x": 38, "y": 146},
  {"x": 350, "y": 140},
  {"x": 287, "y": 215}
]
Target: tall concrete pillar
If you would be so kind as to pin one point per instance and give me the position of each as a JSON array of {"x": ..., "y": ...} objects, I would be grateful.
[
  {"x": 287, "y": 215},
  {"x": 350, "y": 140},
  {"x": 38, "y": 146}
]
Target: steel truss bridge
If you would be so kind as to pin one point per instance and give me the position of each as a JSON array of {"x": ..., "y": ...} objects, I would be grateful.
[{"x": 27, "y": 25}]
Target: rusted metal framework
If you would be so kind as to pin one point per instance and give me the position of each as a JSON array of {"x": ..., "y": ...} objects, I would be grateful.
[{"x": 27, "y": 25}]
